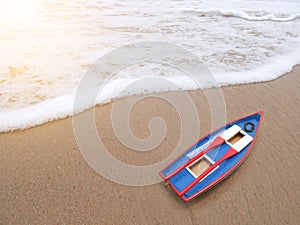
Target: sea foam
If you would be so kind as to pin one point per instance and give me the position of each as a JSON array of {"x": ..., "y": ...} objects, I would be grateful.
[
  {"x": 43, "y": 62},
  {"x": 245, "y": 16}
]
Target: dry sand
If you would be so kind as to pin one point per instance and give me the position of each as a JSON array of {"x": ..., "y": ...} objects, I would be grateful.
[{"x": 45, "y": 180}]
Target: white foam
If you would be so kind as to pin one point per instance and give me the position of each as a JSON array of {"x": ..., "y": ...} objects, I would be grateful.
[
  {"x": 278, "y": 66},
  {"x": 244, "y": 15},
  {"x": 63, "y": 106},
  {"x": 37, "y": 114},
  {"x": 43, "y": 62}
]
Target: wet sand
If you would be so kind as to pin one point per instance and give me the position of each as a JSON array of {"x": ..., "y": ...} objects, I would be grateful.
[{"x": 45, "y": 180}]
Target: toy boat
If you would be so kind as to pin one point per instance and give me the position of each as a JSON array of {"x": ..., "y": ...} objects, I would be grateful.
[{"x": 212, "y": 158}]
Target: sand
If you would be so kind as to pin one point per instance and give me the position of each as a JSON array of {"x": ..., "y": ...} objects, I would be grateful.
[{"x": 45, "y": 180}]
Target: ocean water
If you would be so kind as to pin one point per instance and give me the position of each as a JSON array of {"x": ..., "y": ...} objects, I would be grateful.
[{"x": 48, "y": 46}]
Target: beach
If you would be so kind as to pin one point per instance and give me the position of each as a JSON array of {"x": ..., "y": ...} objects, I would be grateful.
[{"x": 45, "y": 180}]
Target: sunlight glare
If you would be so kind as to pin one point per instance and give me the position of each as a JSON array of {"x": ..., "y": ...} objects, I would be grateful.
[{"x": 20, "y": 12}]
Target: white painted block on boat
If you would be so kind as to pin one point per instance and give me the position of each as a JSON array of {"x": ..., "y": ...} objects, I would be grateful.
[
  {"x": 208, "y": 159},
  {"x": 241, "y": 144},
  {"x": 230, "y": 132}
]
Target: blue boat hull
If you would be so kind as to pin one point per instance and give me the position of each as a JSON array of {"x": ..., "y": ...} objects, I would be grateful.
[{"x": 184, "y": 177}]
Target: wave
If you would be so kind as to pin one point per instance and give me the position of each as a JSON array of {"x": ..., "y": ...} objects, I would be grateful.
[
  {"x": 63, "y": 106},
  {"x": 243, "y": 15},
  {"x": 46, "y": 61}
]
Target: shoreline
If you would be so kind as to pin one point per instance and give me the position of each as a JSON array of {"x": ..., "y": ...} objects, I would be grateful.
[
  {"x": 44, "y": 178},
  {"x": 28, "y": 114}
]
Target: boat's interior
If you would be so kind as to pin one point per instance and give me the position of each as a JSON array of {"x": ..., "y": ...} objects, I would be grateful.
[
  {"x": 236, "y": 138},
  {"x": 199, "y": 167}
]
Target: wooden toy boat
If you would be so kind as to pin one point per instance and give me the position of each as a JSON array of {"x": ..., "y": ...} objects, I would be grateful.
[{"x": 212, "y": 158}]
